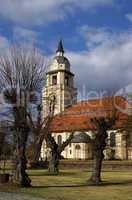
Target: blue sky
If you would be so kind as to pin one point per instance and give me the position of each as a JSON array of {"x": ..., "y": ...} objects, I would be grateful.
[{"x": 97, "y": 36}]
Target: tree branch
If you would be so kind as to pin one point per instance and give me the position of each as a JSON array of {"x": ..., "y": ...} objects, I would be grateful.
[{"x": 64, "y": 144}]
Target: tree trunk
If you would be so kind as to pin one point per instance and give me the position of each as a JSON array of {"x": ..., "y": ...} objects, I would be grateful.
[
  {"x": 20, "y": 174},
  {"x": 99, "y": 144},
  {"x": 56, "y": 150},
  {"x": 54, "y": 163},
  {"x": 37, "y": 151},
  {"x": 96, "y": 174}
]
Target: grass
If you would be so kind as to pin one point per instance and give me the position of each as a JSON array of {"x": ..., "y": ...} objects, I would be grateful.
[{"x": 71, "y": 185}]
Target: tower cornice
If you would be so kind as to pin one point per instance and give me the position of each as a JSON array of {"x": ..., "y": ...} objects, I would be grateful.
[{"x": 60, "y": 70}]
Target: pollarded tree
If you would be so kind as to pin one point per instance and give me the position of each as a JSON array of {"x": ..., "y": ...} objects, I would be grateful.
[
  {"x": 99, "y": 143},
  {"x": 36, "y": 128},
  {"x": 56, "y": 150},
  {"x": 40, "y": 127},
  {"x": 21, "y": 77}
]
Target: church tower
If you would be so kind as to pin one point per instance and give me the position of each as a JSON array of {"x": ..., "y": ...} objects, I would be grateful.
[{"x": 59, "y": 83}]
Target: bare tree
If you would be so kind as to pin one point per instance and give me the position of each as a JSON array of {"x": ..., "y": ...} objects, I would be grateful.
[
  {"x": 56, "y": 150},
  {"x": 40, "y": 128},
  {"x": 41, "y": 132},
  {"x": 99, "y": 142},
  {"x": 21, "y": 77}
]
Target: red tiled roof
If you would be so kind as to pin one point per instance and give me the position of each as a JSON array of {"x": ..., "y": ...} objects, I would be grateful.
[{"x": 77, "y": 117}]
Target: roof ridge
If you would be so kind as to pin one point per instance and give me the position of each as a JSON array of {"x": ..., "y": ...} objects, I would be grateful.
[{"x": 96, "y": 99}]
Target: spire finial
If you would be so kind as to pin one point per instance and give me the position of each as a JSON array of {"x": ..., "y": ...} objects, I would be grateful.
[{"x": 60, "y": 47}]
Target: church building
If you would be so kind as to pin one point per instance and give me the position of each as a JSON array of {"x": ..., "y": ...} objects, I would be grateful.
[{"x": 71, "y": 115}]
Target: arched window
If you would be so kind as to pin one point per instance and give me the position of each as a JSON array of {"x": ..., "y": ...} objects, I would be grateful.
[
  {"x": 54, "y": 80},
  {"x": 112, "y": 139},
  {"x": 59, "y": 139},
  {"x": 77, "y": 147}
]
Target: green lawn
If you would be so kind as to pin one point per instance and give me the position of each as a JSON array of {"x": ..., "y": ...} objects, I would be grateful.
[{"x": 71, "y": 185}]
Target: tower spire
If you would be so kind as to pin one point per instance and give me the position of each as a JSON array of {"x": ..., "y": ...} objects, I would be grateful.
[{"x": 60, "y": 47}]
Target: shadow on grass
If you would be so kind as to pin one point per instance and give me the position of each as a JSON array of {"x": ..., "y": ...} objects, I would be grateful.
[
  {"x": 110, "y": 170},
  {"x": 127, "y": 182},
  {"x": 48, "y": 174}
]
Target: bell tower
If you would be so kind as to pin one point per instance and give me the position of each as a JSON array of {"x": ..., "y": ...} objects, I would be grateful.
[{"x": 59, "y": 82}]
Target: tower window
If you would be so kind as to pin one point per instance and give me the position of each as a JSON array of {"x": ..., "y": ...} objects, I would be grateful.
[
  {"x": 66, "y": 80},
  {"x": 112, "y": 140},
  {"x": 54, "y": 80}
]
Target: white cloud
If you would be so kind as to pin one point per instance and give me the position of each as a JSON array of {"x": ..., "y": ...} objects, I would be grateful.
[
  {"x": 95, "y": 36},
  {"x": 24, "y": 35},
  {"x": 41, "y": 11},
  {"x": 107, "y": 65},
  {"x": 129, "y": 16}
]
